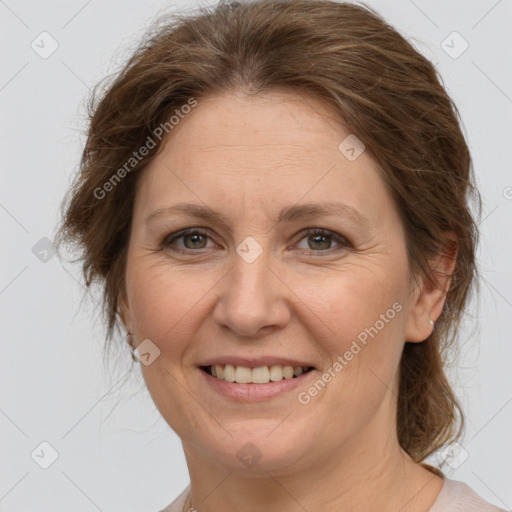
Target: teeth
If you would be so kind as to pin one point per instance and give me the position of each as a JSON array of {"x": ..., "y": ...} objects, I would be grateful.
[
  {"x": 288, "y": 372},
  {"x": 276, "y": 373},
  {"x": 229, "y": 373},
  {"x": 260, "y": 375},
  {"x": 243, "y": 375}
]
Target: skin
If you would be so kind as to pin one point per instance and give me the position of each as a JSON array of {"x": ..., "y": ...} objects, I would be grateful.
[{"x": 248, "y": 157}]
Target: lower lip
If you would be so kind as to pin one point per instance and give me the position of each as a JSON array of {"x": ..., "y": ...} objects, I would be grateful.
[{"x": 254, "y": 392}]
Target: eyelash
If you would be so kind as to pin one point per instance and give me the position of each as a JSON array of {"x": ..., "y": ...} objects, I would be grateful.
[{"x": 342, "y": 241}]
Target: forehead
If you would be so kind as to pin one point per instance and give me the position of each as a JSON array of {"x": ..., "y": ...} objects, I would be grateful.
[
  {"x": 275, "y": 120},
  {"x": 271, "y": 148}
]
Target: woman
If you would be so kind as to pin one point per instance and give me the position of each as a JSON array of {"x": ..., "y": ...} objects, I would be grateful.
[{"x": 275, "y": 196}]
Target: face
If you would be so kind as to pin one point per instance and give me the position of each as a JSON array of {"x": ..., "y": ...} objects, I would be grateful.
[{"x": 303, "y": 264}]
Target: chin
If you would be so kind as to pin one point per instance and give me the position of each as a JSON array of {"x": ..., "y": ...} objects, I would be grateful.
[{"x": 256, "y": 446}]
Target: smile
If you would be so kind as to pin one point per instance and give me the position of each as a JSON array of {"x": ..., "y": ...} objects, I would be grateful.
[{"x": 259, "y": 375}]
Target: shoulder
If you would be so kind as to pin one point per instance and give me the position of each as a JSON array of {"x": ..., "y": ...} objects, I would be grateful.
[
  {"x": 178, "y": 503},
  {"x": 457, "y": 496}
]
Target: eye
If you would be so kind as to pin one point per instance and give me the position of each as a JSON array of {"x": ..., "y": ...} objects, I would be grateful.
[
  {"x": 192, "y": 239},
  {"x": 320, "y": 240}
]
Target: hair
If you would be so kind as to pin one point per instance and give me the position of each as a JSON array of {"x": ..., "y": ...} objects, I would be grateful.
[{"x": 388, "y": 95}]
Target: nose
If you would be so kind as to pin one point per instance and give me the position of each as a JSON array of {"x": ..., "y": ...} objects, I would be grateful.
[{"x": 252, "y": 298}]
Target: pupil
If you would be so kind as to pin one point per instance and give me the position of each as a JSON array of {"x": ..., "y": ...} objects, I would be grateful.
[
  {"x": 195, "y": 238},
  {"x": 319, "y": 237}
]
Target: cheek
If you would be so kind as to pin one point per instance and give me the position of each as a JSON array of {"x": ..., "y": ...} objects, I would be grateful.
[
  {"x": 165, "y": 302},
  {"x": 356, "y": 318},
  {"x": 361, "y": 340},
  {"x": 348, "y": 302}
]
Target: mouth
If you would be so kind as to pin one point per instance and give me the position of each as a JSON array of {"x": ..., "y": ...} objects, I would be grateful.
[{"x": 257, "y": 375}]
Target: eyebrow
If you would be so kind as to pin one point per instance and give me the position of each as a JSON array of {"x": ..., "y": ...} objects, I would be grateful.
[{"x": 288, "y": 214}]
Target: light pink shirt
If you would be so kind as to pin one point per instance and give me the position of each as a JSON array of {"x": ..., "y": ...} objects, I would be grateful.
[{"x": 455, "y": 496}]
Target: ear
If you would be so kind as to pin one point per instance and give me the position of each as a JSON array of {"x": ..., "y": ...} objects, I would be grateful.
[{"x": 430, "y": 292}]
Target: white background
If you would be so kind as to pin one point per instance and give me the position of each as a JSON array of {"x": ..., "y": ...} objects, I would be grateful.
[{"x": 115, "y": 452}]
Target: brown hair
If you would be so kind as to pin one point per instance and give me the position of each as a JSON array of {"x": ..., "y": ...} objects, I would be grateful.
[{"x": 383, "y": 90}]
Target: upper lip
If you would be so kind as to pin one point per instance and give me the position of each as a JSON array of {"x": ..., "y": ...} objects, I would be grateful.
[{"x": 254, "y": 362}]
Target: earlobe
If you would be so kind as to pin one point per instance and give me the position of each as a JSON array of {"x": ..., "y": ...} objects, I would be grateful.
[{"x": 433, "y": 290}]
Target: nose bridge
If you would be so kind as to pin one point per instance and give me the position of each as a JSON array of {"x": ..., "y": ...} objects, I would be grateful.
[{"x": 250, "y": 298}]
